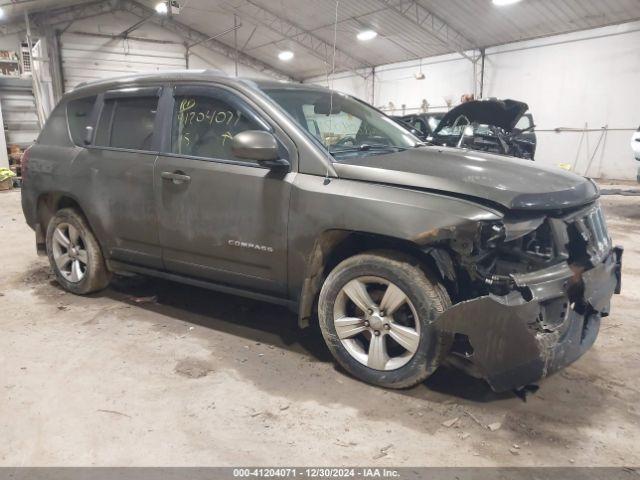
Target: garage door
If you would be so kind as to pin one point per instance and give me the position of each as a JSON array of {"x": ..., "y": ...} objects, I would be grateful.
[
  {"x": 19, "y": 111},
  {"x": 89, "y": 57}
]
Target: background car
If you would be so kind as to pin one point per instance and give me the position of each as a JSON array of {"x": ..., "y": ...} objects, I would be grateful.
[
  {"x": 422, "y": 124},
  {"x": 635, "y": 147},
  {"x": 496, "y": 126}
]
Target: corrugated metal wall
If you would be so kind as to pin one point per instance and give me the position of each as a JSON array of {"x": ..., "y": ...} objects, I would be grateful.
[
  {"x": 92, "y": 57},
  {"x": 19, "y": 111}
]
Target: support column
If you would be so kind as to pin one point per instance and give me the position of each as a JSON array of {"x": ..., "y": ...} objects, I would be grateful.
[
  {"x": 55, "y": 63},
  {"x": 478, "y": 75},
  {"x": 373, "y": 86},
  {"x": 4, "y": 157}
]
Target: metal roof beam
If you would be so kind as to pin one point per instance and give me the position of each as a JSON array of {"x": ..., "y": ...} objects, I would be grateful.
[
  {"x": 57, "y": 16},
  {"x": 205, "y": 41},
  {"x": 304, "y": 38},
  {"x": 433, "y": 25},
  {"x": 71, "y": 14}
]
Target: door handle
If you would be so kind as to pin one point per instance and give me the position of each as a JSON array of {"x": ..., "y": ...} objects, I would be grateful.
[{"x": 176, "y": 177}]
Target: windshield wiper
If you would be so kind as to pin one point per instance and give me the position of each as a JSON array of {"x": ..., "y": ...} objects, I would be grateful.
[{"x": 365, "y": 147}]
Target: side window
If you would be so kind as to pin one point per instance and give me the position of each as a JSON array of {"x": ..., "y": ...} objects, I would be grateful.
[
  {"x": 203, "y": 126},
  {"x": 127, "y": 123},
  {"x": 523, "y": 123},
  {"x": 78, "y": 116}
]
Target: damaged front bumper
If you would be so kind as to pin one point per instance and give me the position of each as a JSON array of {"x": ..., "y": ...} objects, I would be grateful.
[{"x": 517, "y": 339}]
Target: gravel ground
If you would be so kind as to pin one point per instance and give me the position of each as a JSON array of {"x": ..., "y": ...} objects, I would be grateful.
[{"x": 150, "y": 372}]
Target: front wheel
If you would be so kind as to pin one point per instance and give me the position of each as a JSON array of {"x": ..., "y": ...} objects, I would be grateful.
[
  {"x": 376, "y": 312},
  {"x": 74, "y": 253}
]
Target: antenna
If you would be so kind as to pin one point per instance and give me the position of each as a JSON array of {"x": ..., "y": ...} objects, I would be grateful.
[{"x": 333, "y": 68}]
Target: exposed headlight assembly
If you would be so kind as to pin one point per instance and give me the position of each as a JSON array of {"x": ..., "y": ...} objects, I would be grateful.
[{"x": 518, "y": 228}]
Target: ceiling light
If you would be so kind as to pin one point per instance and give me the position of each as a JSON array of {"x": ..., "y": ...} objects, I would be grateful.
[
  {"x": 285, "y": 55},
  {"x": 161, "y": 8},
  {"x": 502, "y": 3},
  {"x": 1, "y": 12},
  {"x": 367, "y": 35}
]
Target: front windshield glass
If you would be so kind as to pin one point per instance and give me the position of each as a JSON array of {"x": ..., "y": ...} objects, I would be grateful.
[
  {"x": 344, "y": 125},
  {"x": 468, "y": 129},
  {"x": 434, "y": 121},
  {"x": 457, "y": 128}
]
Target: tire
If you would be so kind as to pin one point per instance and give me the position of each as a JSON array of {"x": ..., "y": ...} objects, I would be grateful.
[
  {"x": 83, "y": 270},
  {"x": 424, "y": 348}
]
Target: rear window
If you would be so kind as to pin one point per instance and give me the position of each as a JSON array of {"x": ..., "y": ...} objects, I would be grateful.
[
  {"x": 127, "y": 123},
  {"x": 78, "y": 116}
]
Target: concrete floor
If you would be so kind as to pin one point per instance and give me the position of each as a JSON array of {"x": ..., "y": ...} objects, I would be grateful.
[{"x": 191, "y": 377}]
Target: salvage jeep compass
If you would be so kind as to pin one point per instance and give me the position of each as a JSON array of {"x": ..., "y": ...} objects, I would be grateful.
[{"x": 409, "y": 255}]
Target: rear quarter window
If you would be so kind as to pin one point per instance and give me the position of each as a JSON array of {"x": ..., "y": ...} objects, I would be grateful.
[{"x": 78, "y": 117}]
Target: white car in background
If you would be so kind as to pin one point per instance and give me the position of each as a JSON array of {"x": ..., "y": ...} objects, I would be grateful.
[{"x": 635, "y": 144}]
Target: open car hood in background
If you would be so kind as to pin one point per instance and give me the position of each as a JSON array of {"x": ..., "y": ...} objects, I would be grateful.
[{"x": 500, "y": 113}]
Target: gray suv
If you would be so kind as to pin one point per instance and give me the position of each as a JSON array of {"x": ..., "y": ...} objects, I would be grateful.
[{"x": 408, "y": 255}]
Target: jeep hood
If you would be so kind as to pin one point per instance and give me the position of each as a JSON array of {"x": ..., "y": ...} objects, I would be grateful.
[
  {"x": 500, "y": 113},
  {"x": 510, "y": 182}
]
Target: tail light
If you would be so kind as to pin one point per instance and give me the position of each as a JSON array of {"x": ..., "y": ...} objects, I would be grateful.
[{"x": 24, "y": 163}]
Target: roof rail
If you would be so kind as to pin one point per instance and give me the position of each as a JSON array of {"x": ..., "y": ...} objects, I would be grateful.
[
  {"x": 215, "y": 71},
  {"x": 210, "y": 71}
]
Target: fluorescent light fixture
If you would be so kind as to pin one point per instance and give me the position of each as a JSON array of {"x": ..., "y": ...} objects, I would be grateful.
[
  {"x": 366, "y": 35},
  {"x": 1, "y": 12},
  {"x": 161, "y": 8},
  {"x": 285, "y": 55},
  {"x": 502, "y": 3}
]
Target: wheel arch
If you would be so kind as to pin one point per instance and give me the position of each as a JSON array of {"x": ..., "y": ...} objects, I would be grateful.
[
  {"x": 46, "y": 207},
  {"x": 334, "y": 246}
]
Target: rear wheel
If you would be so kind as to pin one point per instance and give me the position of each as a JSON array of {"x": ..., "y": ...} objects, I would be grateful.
[
  {"x": 74, "y": 253},
  {"x": 376, "y": 312}
]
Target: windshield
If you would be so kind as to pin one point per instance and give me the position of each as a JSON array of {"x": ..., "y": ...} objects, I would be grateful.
[
  {"x": 461, "y": 123},
  {"x": 344, "y": 125},
  {"x": 434, "y": 121}
]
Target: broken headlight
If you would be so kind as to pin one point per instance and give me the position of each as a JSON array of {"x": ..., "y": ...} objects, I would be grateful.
[{"x": 515, "y": 245}]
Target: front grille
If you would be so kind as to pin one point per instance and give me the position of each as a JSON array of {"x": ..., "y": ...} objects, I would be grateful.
[{"x": 591, "y": 226}]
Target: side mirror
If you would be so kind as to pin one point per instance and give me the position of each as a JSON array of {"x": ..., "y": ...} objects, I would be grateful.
[
  {"x": 259, "y": 146},
  {"x": 88, "y": 135}
]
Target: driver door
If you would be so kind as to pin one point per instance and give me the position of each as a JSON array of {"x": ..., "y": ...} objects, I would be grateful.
[{"x": 221, "y": 218}]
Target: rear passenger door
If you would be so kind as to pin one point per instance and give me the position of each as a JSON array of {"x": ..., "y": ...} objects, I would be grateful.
[
  {"x": 222, "y": 218},
  {"x": 121, "y": 162}
]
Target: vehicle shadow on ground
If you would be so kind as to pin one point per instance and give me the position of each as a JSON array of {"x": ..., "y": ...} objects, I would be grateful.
[
  {"x": 263, "y": 344},
  {"x": 262, "y": 322}
]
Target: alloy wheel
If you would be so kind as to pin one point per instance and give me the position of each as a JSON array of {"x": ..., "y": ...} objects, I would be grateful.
[
  {"x": 376, "y": 323},
  {"x": 70, "y": 253}
]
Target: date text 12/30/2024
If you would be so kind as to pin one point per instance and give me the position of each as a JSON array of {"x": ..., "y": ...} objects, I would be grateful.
[{"x": 309, "y": 472}]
